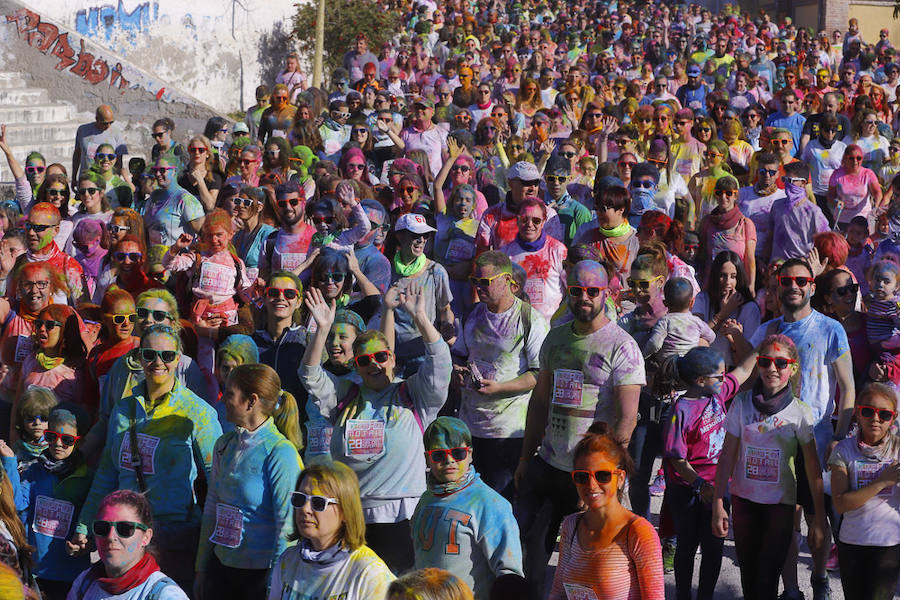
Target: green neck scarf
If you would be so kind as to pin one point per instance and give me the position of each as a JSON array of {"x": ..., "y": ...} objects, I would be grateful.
[
  {"x": 617, "y": 231},
  {"x": 409, "y": 269},
  {"x": 49, "y": 362}
]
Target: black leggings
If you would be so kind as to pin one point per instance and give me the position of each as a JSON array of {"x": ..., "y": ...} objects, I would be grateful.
[
  {"x": 230, "y": 583},
  {"x": 762, "y": 537},
  {"x": 693, "y": 524},
  {"x": 392, "y": 542},
  {"x": 869, "y": 572}
]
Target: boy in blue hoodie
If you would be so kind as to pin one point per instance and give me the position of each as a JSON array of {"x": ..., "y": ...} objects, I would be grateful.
[{"x": 461, "y": 524}]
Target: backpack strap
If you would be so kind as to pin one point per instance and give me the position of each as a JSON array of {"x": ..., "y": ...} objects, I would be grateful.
[
  {"x": 269, "y": 247},
  {"x": 86, "y": 582},
  {"x": 158, "y": 587},
  {"x": 406, "y": 400},
  {"x": 526, "y": 321},
  {"x": 136, "y": 461},
  {"x": 345, "y": 402}
]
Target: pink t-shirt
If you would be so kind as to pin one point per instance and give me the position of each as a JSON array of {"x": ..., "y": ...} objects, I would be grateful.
[
  {"x": 853, "y": 191},
  {"x": 734, "y": 239},
  {"x": 546, "y": 276}
]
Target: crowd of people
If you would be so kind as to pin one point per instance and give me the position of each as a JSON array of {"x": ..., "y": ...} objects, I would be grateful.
[{"x": 407, "y": 335}]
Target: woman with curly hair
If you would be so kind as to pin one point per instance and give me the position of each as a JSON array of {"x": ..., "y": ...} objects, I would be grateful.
[{"x": 528, "y": 98}]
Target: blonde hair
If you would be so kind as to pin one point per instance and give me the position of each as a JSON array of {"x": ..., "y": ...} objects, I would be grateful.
[
  {"x": 429, "y": 584},
  {"x": 339, "y": 481},
  {"x": 263, "y": 381}
]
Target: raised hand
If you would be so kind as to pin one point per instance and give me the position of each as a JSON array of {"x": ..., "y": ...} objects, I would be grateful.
[
  {"x": 184, "y": 241},
  {"x": 453, "y": 148},
  {"x": 392, "y": 297},
  {"x": 322, "y": 310},
  {"x": 4, "y": 145},
  {"x": 345, "y": 192}
]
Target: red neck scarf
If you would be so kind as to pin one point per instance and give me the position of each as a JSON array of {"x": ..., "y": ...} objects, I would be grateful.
[
  {"x": 723, "y": 220},
  {"x": 135, "y": 576}
]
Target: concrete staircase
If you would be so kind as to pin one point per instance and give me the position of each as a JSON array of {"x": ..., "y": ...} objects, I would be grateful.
[{"x": 34, "y": 122}]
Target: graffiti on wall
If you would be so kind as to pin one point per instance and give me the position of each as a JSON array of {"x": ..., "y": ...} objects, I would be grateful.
[
  {"x": 107, "y": 20},
  {"x": 46, "y": 38}
]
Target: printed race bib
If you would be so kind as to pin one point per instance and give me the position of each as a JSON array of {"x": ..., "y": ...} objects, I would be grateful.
[
  {"x": 229, "y": 529},
  {"x": 575, "y": 591},
  {"x": 460, "y": 249},
  {"x": 867, "y": 472},
  {"x": 567, "y": 387},
  {"x": 292, "y": 260},
  {"x": 535, "y": 290},
  {"x": 52, "y": 517},
  {"x": 24, "y": 347},
  {"x": 364, "y": 439},
  {"x": 146, "y": 446},
  {"x": 318, "y": 440},
  {"x": 762, "y": 464},
  {"x": 217, "y": 279}
]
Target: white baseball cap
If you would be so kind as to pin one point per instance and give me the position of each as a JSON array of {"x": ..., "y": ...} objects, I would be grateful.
[{"x": 414, "y": 223}]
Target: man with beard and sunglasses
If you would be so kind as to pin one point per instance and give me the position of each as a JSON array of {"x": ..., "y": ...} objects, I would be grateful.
[
  {"x": 826, "y": 372},
  {"x": 288, "y": 248},
  {"x": 590, "y": 370}
]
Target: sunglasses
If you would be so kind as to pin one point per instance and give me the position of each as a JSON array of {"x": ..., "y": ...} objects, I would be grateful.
[
  {"x": 643, "y": 184},
  {"x": 284, "y": 203},
  {"x": 584, "y": 477},
  {"x": 780, "y": 362},
  {"x": 705, "y": 129},
  {"x": 643, "y": 284},
  {"x": 847, "y": 290},
  {"x": 568, "y": 155},
  {"x": 124, "y": 529},
  {"x": 48, "y": 324},
  {"x": 556, "y": 178},
  {"x": 440, "y": 455},
  {"x": 118, "y": 228},
  {"x": 245, "y": 202},
  {"x": 160, "y": 170},
  {"x": 120, "y": 319},
  {"x": 324, "y": 220},
  {"x": 626, "y": 163},
  {"x": 34, "y": 169},
  {"x": 536, "y": 221},
  {"x": 484, "y": 281},
  {"x": 869, "y": 412},
  {"x": 576, "y": 291},
  {"x": 100, "y": 156},
  {"x": 340, "y": 115},
  {"x": 461, "y": 168},
  {"x": 35, "y": 418},
  {"x": 158, "y": 315},
  {"x": 149, "y": 355},
  {"x": 853, "y": 157},
  {"x": 364, "y": 360},
  {"x": 660, "y": 163},
  {"x": 769, "y": 172},
  {"x": 158, "y": 134},
  {"x": 318, "y": 503},
  {"x": 332, "y": 277},
  {"x": 66, "y": 439},
  {"x": 37, "y": 228},
  {"x": 200, "y": 150},
  {"x": 88, "y": 191},
  {"x": 801, "y": 280},
  {"x": 275, "y": 293},
  {"x": 780, "y": 142},
  {"x": 132, "y": 256},
  {"x": 246, "y": 162},
  {"x": 56, "y": 193},
  {"x": 713, "y": 155},
  {"x": 724, "y": 193},
  {"x": 355, "y": 167}
]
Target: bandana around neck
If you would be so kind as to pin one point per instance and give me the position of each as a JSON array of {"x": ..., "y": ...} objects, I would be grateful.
[
  {"x": 617, "y": 231},
  {"x": 442, "y": 489},
  {"x": 409, "y": 269}
]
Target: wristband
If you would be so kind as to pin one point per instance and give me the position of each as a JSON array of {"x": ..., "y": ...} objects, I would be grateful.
[{"x": 697, "y": 484}]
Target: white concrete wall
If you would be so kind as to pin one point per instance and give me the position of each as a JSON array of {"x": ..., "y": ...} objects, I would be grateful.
[{"x": 216, "y": 50}]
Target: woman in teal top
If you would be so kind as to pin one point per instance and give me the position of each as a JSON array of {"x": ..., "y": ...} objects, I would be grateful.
[
  {"x": 158, "y": 440},
  {"x": 247, "y": 515}
]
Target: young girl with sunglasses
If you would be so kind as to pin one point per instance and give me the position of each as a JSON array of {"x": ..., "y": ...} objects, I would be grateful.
[
  {"x": 864, "y": 478},
  {"x": 54, "y": 488},
  {"x": 487, "y": 543},
  {"x": 57, "y": 362},
  {"x": 606, "y": 551},
  {"x": 30, "y": 422},
  {"x": 116, "y": 337},
  {"x": 883, "y": 314},
  {"x": 767, "y": 428}
]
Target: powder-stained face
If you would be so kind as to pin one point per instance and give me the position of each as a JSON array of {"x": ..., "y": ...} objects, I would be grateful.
[
  {"x": 48, "y": 333},
  {"x": 376, "y": 374},
  {"x": 587, "y": 274},
  {"x": 57, "y": 448},
  {"x": 447, "y": 469},
  {"x": 120, "y": 322},
  {"x": 117, "y": 553},
  {"x": 597, "y": 495},
  {"x": 47, "y": 223},
  {"x": 339, "y": 343}
]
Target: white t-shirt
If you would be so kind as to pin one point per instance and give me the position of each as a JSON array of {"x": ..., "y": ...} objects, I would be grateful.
[
  {"x": 877, "y": 522},
  {"x": 95, "y": 592},
  {"x": 765, "y": 470},
  {"x": 360, "y": 577}
]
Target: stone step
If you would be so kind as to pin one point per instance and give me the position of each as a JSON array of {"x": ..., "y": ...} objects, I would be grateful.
[
  {"x": 21, "y": 133},
  {"x": 22, "y": 96},
  {"x": 10, "y": 80},
  {"x": 38, "y": 113}
]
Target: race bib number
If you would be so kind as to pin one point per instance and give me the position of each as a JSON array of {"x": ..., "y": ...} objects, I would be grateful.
[
  {"x": 52, "y": 517},
  {"x": 229, "y": 529},
  {"x": 318, "y": 440},
  {"x": 364, "y": 438},
  {"x": 567, "y": 387},
  {"x": 867, "y": 472},
  {"x": 292, "y": 260},
  {"x": 24, "y": 347},
  {"x": 762, "y": 464},
  {"x": 460, "y": 250},
  {"x": 535, "y": 290},
  {"x": 575, "y": 591},
  {"x": 146, "y": 447},
  {"x": 217, "y": 279}
]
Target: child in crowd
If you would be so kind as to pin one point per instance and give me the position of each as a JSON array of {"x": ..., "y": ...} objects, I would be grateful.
[
  {"x": 883, "y": 303},
  {"x": 677, "y": 331},
  {"x": 862, "y": 249},
  {"x": 31, "y": 423},
  {"x": 217, "y": 277}
]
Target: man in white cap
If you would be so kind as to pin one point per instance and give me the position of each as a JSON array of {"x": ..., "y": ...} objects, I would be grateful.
[
  {"x": 498, "y": 225},
  {"x": 411, "y": 267}
]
